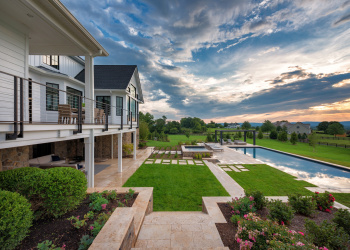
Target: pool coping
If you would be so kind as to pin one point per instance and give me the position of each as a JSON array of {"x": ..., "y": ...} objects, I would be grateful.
[{"x": 302, "y": 157}]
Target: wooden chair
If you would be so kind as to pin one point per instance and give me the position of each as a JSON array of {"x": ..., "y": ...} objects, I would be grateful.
[
  {"x": 97, "y": 115},
  {"x": 102, "y": 116},
  {"x": 65, "y": 114}
]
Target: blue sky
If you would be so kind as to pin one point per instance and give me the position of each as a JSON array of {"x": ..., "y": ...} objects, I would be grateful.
[{"x": 231, "y": 60}]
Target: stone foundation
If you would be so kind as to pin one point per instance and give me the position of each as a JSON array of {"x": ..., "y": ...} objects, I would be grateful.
[{"x": 14, "y": 158}]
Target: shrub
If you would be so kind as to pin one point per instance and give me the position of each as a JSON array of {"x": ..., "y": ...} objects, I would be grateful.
[
  {"x": 324, "y": 201},
  {"x": 180, "y": 143},
  {"x": 188, "y": 143},
  {"x": 273, "y": 134},
  {"x": 256, "y": 233},
  {"x": 260, "y": 135},
  {"x": 11, "y": 180},
  {"x": 85, "y": 242},
  {"x": 259, "y": 199},
  {"x": 207, "y": 154},
  {"x": 283, "y": 136},
  {"x": 16, "y": 218},
  {"x": 235, "y": 219},
  {"x": 242, "y": 206},
  {"x": 142, "y": 144},
  {"x": 280, "y": 212},
  {"x": 326, "y": 235},
  {"x": 128, "y": 148},
  {"x": 342, "y": 219},
  {"x": 99, "y": 204},
  {"x": 302, "y": 205},
  {"x": 194, "y": 142},
  {"x": 55, "y": 191},
  {"x": 294, "y": 138}
]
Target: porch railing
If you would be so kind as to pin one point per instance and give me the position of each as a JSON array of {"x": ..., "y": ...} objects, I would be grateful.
[{"x": 24, "y": 101}]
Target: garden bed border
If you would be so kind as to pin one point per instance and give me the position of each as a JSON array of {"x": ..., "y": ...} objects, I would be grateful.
[{"x": 122, "y": 228}]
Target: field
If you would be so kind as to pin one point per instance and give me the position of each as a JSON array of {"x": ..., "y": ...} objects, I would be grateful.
[{"x": 177, "y": 187}]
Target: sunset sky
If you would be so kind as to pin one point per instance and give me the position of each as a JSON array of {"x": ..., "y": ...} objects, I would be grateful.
[{"x": 230, "y": 61}]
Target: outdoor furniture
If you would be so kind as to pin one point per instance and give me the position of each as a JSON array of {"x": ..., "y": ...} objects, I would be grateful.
[
  {"x": 96, "y": 115},
  {"x": 65, "y": 114},
  {"x": 102, "y": 116},
  {"x": 52, "y": 161},
  {"x": 239, "y": 142},
  {"x": 229, "y": 141},
  {"x": 214, "y": 147}
]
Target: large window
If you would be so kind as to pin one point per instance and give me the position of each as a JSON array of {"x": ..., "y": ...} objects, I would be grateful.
[
  {"x": 133, "y": 109},
  {"x": 101, "y": 100},
  {"x": 52, "y": 96},
  {"x": 119, "y": 106},
  {"x": 132, "y": 91},
  {"x": 73, "y": 97},
  {"x": 53, "y": 61}
]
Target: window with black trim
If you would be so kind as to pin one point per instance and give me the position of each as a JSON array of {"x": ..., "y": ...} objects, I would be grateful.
[
  {"x": 101, "y": 100},
  {"x": 52, "y": 96},
  {"x": 73, "y": 97},
  {"x": 119, "y": 106},
  {"x": 51, "y": 60}
]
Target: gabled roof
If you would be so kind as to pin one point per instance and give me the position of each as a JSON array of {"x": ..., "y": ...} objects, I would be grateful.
[{"x": 110, "y": 76}]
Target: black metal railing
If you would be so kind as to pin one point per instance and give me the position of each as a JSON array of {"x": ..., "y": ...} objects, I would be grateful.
[{"x": 25, "y": 101}]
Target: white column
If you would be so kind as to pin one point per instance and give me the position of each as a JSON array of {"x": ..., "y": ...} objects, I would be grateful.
[
  {"x": 90, "y": 158},
  {"x": 89, "y": 89},
  {"x": 120, "y": 152},
  {"x": 134, "y": 137},
  {"x": 112, "y": 147}
]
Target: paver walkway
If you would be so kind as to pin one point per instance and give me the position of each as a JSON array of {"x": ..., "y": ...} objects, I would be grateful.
[{"x": 179, "y": 230}]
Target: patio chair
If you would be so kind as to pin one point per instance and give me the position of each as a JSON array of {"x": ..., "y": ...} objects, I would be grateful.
[
  {"x": 239, "y": 142},
  {"x": 65, "y": 114},
  {"x": 229, "y": 141},
  {"x": 102, "y": 116},
  {"x": 97, "y": 115}
]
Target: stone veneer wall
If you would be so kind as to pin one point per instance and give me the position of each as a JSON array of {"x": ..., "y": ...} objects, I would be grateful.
[{"x": 14, "y": 158}]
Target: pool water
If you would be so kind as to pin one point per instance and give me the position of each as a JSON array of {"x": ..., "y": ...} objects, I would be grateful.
[
  {"x": 196, "y": 149},
  {"x": 322, "y": 175}
]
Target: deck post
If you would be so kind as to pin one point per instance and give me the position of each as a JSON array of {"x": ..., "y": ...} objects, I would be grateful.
[
  {"x": 221, "y": 137},
  {"x": 245, "y": 136},
  {"x": 89, "y": 90},
  {"x": 90, "y": 158},
  {"x": 254, "y": 137},
  {"x": 216, "y": 134},
  {"x": 120, "y": 153}
]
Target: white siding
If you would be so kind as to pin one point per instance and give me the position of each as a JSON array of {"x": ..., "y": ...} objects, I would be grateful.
[
  {"x": 12, "y": 60},
  {"x": 67, "y": 65}
]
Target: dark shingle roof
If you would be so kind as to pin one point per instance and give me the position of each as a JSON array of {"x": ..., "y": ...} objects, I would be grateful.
[{"x": 110, "y": 76}]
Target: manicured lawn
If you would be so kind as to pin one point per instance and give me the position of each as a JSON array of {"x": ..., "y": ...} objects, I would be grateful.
[
  {"x": 174, "y": 140},
  {"x": 342, "y": 198},
  {"x": 270, "y": 181},
  {"x": 335, "y": 155},
  {"x": 177, "y": 187}
]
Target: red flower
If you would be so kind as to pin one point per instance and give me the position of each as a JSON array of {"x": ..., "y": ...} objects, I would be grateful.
[
  {"x": 330, "y": 207},
  {"x": 316, "y": 192},
  {"x": 327, "y": 210}
]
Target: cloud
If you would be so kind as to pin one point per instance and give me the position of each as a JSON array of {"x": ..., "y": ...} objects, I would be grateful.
[{"x": 343, "y": 19}]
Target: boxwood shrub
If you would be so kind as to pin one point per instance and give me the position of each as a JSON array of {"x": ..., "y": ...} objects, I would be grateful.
[
  {"x": 16, "y": 218},
  {"x": 55, "y": 191},
  {"x": 11, "y": 180}
]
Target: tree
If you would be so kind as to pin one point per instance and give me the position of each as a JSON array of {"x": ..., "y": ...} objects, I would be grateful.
[
  {"x": 257, "y": 128},
  {"x": 284, "y": 128},
  {"x": 322, "y": 126},
  {"x": 335, "y": 128},
  {"x": 312, "y": 141},
  {"x": 283, "y": 136},
  {"x": 188, "y": 133},
  {"x": 260, "y": 134},
  {"x": 239, "y": 135},
  {"x": 304, "y": 136},
  {"x": 273, "y": 134},
  {"x": 225, "y": 124},
  {"x": 279, "y": 128},
  {"x": 246, "y": 125},
  {"x": 148, "y": 118},
  {"x": 267, "y": 126},
  {"x": 143, "y": 130},
  {"x": 293, "y": 138},
  {"x": 209, "y": 138}
]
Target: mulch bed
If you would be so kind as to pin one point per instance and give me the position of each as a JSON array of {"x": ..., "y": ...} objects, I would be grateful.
[
  {"x": 228, "y": 230},
  {"x": 61, "y": 232}
]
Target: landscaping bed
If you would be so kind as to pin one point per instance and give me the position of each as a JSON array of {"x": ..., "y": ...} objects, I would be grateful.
[
  {"x": 61, "y": 232},
  {"x": 228, "y": 230}
]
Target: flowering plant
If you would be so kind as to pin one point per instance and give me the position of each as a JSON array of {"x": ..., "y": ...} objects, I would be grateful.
[
  {"x": 255, "y": 233},
  {"x": 242, "y": 206},
  {"x": 324, "y": 201}
]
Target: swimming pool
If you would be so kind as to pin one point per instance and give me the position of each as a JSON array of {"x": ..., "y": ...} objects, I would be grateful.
[{"x": 322, "y": 175}]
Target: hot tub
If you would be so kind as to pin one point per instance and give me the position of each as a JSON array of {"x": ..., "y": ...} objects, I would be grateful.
[{"x": 191, "y": 150}]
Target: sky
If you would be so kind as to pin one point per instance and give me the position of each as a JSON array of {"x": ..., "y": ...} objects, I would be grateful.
[{"x": 230, "y": 60}]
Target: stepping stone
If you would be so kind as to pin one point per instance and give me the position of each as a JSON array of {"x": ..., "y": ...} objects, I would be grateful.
[
  {"x": 173, "y": 152},
  {"x": 239, "y": 166},
  {"x": 200, "y": 164},
  {"x": 174, "y": 162},
  {"x": 227, "y": 169},
  {"x": 198, "y": 161},
  {"x": 179, "y": 152},
  {"x": 244, "y": 169},
  {"x": 149, "y": 162},
  {"x": 166, "y": 152},
  {"x": 182, "y": 163},
  {"x": 158, "y": 161},
  {"x": 167, "y": 161},
  {"x": 182, "y": 160},
  {"x": 235, "y": 169},
  {"x": 190, "y": 162}
]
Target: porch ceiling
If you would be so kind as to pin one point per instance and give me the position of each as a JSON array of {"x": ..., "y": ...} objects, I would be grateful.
[{"x": 51, "y": 28}]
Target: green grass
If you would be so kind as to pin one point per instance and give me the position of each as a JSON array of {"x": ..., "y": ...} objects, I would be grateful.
[
  {"x": 177, "y": 187},
  {"x": 270, "y": 181},
  {"x": 334, "y": 155},
  {"x": 342, "y": 198},
  {"x": 174, "y": 140}
]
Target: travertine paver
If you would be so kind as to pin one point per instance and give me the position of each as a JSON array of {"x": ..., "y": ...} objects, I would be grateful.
[
  {"x": 227, "y": 169},
  {"x": 244, "y": 169},
  {"x": 182, "y": 163},
  {"x": 166, "y": 152},
  {"x": 235, "y": 169},
  {"x": 190, "y": 230},
  {"x": 173, "y": 152},
  {"x": 174, "y": 162},
  {"x": 168, "y": 161},
  {"x": 239, "y": 166},
  {"x": 179, "y": 152},
  {"x": 198, "y": 161},
  {"x": 158, "y": 161},
  {"x": 190, "y": 162},
  {"x": 149, "y": 162}
]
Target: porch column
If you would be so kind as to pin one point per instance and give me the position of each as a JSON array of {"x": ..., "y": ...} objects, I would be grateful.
[
  {"x": 89, "y": 158},
  {"x": 89, "y": 89},
  {"x": 134, "y": 137},
  {"x": 220, "y": 137},
  {"x": 120, "y": 152},
  {"x": 245, "y": 136},
  {"x": 112, "y": 147}
]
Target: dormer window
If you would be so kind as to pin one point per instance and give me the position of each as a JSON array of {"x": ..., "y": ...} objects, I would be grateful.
[{"x": 51, "y": 60}]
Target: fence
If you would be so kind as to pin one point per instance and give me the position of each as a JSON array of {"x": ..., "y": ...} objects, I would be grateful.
[{"x": 335, "y": 138}]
